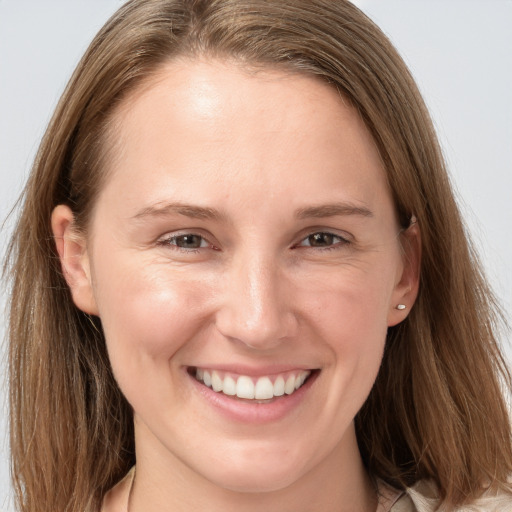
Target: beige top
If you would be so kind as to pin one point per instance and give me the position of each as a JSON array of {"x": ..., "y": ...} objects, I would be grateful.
[{"x": 422, "y": 497}]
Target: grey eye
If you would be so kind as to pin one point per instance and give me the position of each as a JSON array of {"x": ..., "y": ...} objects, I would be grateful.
[
  {"x": 322, "y": 239},
  {"x": 188, "y": 241}
]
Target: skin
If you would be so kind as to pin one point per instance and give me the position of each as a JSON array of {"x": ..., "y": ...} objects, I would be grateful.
[{"x": 260, "y": 150}]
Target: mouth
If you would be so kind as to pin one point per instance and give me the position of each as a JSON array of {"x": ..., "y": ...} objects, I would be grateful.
[{"x": 261, "y": 389}]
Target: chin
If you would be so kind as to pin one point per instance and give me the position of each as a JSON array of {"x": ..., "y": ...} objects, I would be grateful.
[
  {"x": 254, "y": 480},
  {"x": 258, "y": 472}
]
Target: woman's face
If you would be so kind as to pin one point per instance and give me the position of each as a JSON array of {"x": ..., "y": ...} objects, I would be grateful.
[{"x": 245, "y": 235}]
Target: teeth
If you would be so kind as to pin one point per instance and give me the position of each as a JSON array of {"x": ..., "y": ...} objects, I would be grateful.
[
  {"x": 244, "y": 386},
  {"x": 216, "y": 382},
  {"x": 229, "y": 387},
  {"x": 264, "y": 389},
  {"x": 279, "y": 386},
  {"x": 298, "y": 382},
  {"x": 289, "y": 387}
]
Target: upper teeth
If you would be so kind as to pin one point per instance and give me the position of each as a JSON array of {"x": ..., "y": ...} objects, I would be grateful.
[{"x": 261, "y": 388}]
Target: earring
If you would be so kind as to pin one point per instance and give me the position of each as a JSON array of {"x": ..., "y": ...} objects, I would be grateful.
[{"x": 401, "y": 306}]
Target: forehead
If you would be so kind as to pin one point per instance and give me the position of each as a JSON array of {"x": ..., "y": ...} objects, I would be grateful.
[{"x": 196, "y": 121}]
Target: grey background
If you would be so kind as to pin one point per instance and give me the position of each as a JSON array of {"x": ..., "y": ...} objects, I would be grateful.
[{"x": 460, "y": 52}]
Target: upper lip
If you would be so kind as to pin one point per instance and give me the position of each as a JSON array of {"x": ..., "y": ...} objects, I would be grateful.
[{"x": 252, "y": 371}]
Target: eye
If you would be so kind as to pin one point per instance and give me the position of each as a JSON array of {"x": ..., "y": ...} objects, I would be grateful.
[
  {"x": 186, "y": 241},
  {"x": 323, "y": 240}
]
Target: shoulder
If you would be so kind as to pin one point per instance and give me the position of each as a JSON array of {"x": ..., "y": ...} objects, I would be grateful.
[
  {"x": 116, "y": 500},
  {"x": 393, "y": 500},
  {"x": 425, "y": 498}
]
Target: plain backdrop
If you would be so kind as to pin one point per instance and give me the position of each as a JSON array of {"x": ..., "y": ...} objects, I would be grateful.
[{"x": 460, "y": 52}]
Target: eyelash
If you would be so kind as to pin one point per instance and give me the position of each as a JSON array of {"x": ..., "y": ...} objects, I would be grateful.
[
  {"x": 332, "y": 246},
  {"x": 172, "y": 241}
]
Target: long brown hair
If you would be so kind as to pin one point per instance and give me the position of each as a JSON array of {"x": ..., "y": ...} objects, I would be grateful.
[{"x": 437, "y": 409}]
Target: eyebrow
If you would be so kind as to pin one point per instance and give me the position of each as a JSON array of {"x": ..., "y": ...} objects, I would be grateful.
[
  {"x": 333, "y": 210},
  {"x": 205, "y": 213},
  {"x": 187, "y": 210}
]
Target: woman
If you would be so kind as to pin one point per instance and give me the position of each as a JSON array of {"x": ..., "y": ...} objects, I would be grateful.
[{"x": 226, "y": 279}]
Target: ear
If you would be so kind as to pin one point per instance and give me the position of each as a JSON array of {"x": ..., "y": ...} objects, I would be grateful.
[
  {"x": 406, "y": 289},
  {"x": 74, "y": 259}
]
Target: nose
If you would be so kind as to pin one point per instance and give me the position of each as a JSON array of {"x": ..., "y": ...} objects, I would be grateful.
[{"x": 256, "y": 304}]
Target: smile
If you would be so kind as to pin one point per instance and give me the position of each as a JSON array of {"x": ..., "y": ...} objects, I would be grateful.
[{"x": 252, "y": 388}]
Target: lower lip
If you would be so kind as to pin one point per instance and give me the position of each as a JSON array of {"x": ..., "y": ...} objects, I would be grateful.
[{"x": 245, "y": 411}]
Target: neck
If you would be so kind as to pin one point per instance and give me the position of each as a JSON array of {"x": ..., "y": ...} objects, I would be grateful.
[{"x": 339, "y": 483}]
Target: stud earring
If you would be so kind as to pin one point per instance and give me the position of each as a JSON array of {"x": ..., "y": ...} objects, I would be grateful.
[{"x": 401, "y": 306}]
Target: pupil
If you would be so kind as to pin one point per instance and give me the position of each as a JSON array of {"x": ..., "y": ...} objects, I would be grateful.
[
  {"x": 321, "y": 239},
  {"x": 189, "y": 241}
]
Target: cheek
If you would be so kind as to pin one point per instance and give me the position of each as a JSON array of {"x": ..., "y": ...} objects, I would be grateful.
[
  {"x": 147, "y": 313},
  {"x": 353, "y": 298},
  {"x": 349, "y": 313},
  {"x": 354, "y": 327}
]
